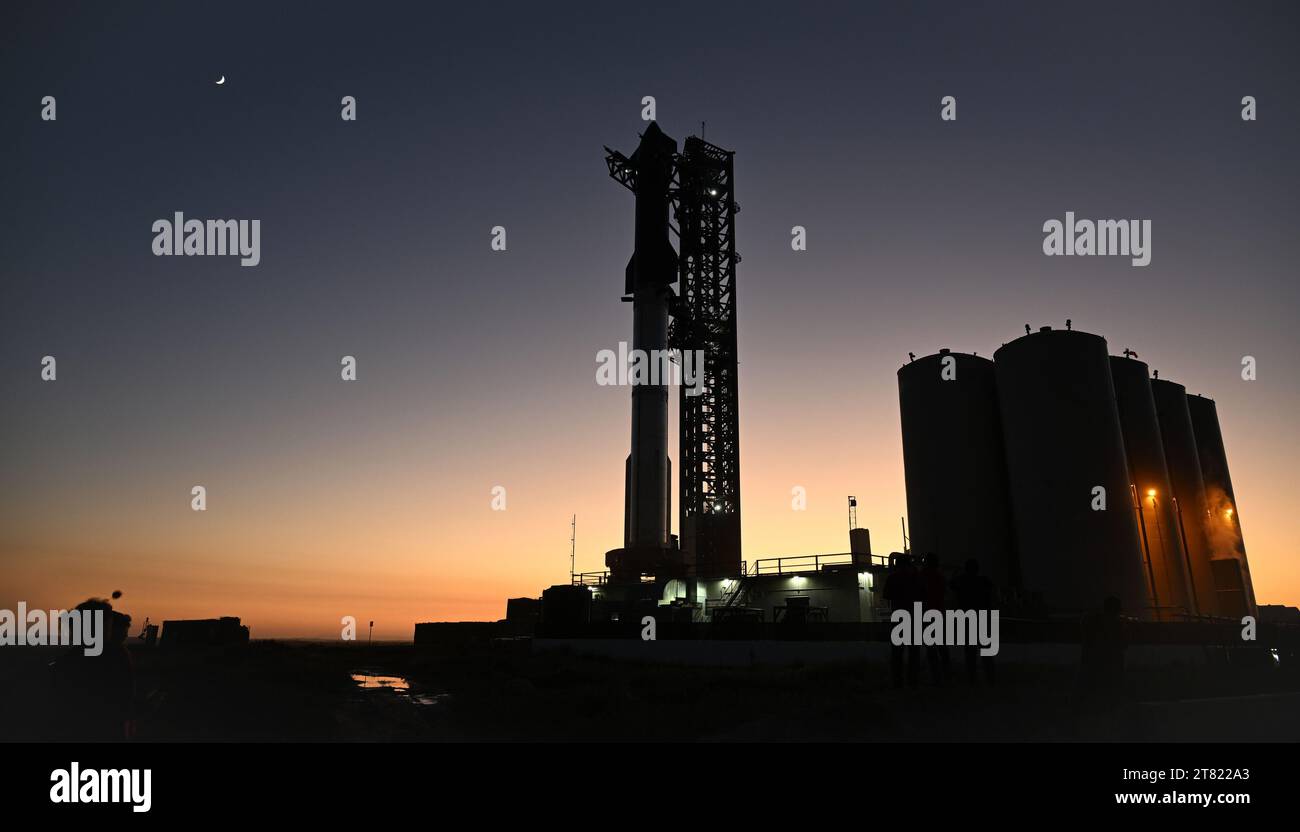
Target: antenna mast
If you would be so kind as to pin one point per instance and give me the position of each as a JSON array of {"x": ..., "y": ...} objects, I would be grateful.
[{"x": 573, "y": 546}]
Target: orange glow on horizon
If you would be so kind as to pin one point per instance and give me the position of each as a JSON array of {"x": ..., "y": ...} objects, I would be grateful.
[{"x": 394, "y": 523}]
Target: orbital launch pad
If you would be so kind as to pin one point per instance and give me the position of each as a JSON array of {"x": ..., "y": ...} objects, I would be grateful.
[
  {"x": 696, "y": 187},
  {"x": 1004, "y": 460}
]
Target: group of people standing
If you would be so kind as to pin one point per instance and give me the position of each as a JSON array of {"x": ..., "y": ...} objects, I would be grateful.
[{"x": 908, "y": 584}]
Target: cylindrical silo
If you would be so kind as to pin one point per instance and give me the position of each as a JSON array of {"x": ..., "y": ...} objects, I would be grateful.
[
  {"x": 957, "y": 502},
  {"x": 1224, "y": 520},
  {"x": 1188, "y": 488},
  {"x": 1075, "y": 530},
  {"x": 1165, "y": 561}
]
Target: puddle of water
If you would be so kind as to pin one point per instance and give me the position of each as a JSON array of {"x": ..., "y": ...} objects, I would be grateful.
[
  {"x": 371, "y": 681},
  {"x": 429, "y": 698},
  {"x": 398, "y": 685}
]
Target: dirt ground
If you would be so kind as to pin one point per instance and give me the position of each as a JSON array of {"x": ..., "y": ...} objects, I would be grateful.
[{"x": 303, "y": 691}]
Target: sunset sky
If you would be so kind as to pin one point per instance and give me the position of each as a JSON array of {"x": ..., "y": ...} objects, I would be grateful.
[{"x": 477, "y": 368}]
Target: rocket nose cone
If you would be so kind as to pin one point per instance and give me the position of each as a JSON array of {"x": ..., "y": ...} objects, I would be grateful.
[{"x": 657, "y": 140}]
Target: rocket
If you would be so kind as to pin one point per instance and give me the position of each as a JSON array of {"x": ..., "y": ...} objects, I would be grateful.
[
  {"x": 650, "y": 273},
  {"x": 648, "y": 286}
]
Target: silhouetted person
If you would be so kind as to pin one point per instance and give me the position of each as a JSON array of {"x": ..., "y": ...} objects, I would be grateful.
[
  {"x": 902, "y": 589},
  {"x": 973, "y": 591},
  {"x": 94, "y": 694},
  {"x": 935, "y": 587},
  {"x": 1105, "y": 638}
]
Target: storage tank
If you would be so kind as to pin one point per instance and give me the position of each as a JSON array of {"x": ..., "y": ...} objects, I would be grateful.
[
  {"x": 957, "y": 501},
  {"x": 1188, "y": 487},
  {"x": 1164, "y": 558},
  {"x": 1224, "y": 520},
  {"x": 1061, "y": 430}
]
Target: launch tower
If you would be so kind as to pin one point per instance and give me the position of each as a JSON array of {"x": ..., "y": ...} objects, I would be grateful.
[{"x": 697, "y": 185}]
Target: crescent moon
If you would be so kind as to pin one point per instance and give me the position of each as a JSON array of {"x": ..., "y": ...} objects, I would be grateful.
[{"x": 222, "y": 81}]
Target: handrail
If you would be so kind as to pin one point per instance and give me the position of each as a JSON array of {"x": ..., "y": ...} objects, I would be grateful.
[
  {"x": 793, "y": 564},
  {"x": 780, "y": 565}
]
